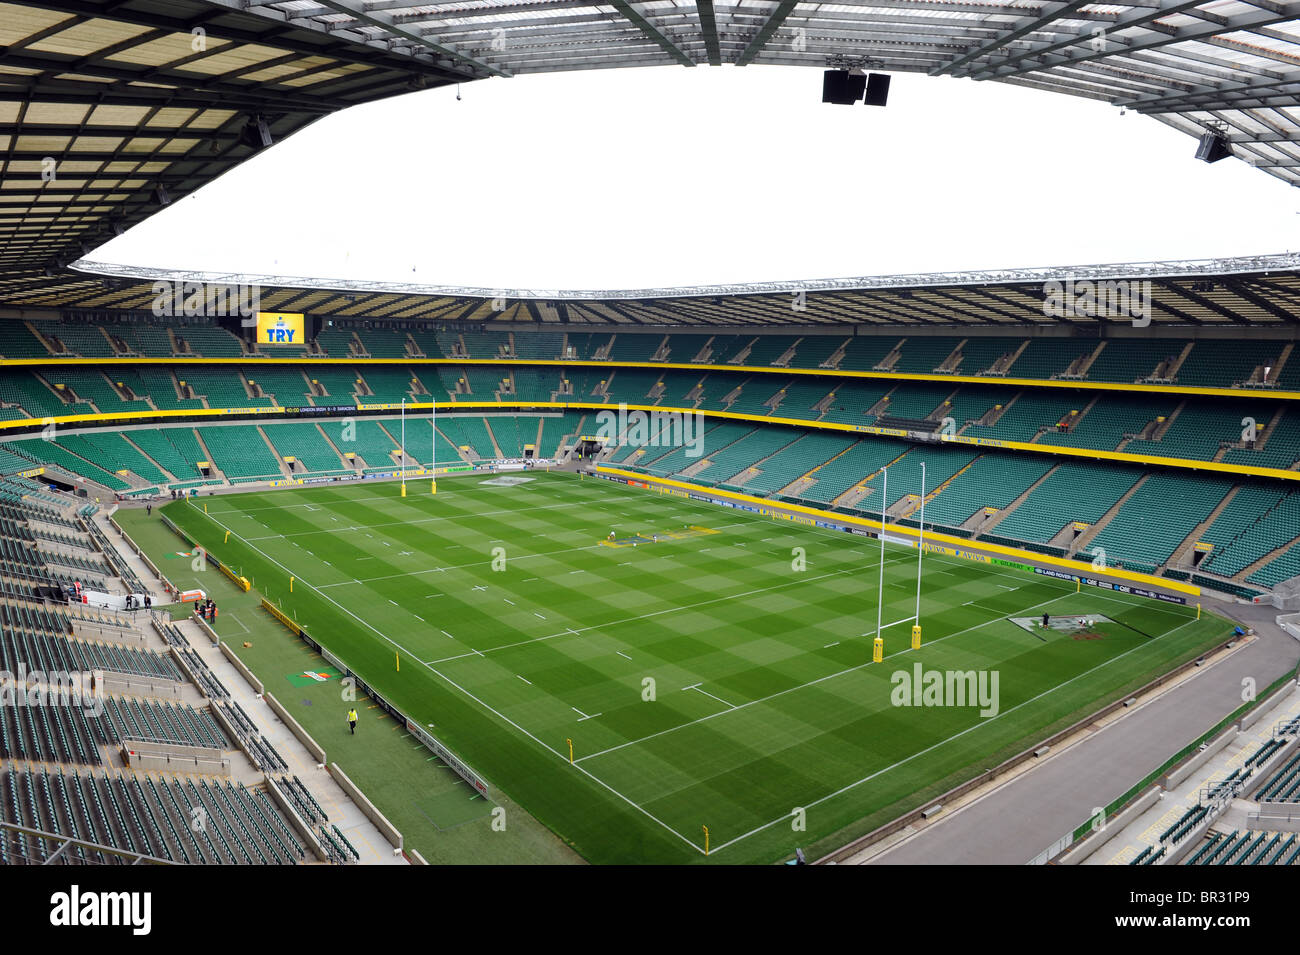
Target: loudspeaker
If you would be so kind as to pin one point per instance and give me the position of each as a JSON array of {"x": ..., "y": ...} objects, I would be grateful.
[
  {"x": 877, "y": 92},
  {"x": 1213, "y": 147},
  {"x": 842, "y": 88}
]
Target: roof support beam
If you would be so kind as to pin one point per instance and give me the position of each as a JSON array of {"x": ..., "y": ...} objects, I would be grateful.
[
  {"x": 1114, "y": 43},
  {"x": 389, "y": 24},
  {"x": 1048, "y": 15},
  {"x": 774, "y": 22},
  {"x": 630, "y": 13},
  {"x": 709, "y": 27}
]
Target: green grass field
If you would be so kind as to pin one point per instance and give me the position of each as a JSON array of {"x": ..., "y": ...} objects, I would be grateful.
[{"x": 519, "y": 627}]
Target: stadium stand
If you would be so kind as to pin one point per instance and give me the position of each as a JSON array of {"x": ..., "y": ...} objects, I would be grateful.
[
  {"x": 1072, "y": 492},
  {"x": 304, "y": 442},
  {"x": 240, "y": 452}
]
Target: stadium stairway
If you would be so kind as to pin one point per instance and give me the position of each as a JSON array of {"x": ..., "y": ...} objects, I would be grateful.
[
  {"x": 1179, "y": 558},
  {"x": 1086, "y": 538},
  {"x": 851, "y": 497},
  {"x": 915, "y": 507},
  {"x": 809, "y": 478},
  {"x": 270, "y": 446},
  {"x": 1264, "y": 561},
  {"x": 496, "y": 447},
  {"x": 980, "y": 525}
]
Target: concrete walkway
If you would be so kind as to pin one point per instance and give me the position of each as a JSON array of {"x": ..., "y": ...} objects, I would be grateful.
[
  {"x": 1145, "y": 830},
  {"x": 361, "y": 832},
  {"x": 1017, "y": 820}
]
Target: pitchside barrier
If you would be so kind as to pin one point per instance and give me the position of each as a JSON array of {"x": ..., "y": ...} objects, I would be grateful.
[
  {"x": 438, "y": 749},
  {"x": 453, "y": 762},
  {"x": 240, "y": 582},
  {"x": 901, "y": 534}
]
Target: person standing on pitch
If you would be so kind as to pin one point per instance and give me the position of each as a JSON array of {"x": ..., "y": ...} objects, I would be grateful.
[{"x": 352, "y": 721}]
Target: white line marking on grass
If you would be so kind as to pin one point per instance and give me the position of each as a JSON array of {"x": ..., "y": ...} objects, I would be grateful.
[
  {"x": 509, "y": 601},
  {"x": 820, "y": 679},
  {"x": 960, "y": 733},
  {"x": 529, "y": 682},
  {"x": 536, "y": 614},
  {"x": 393, "y": 602},
  {"x": 583, "y": 715},
  {"x": 829, "y": 645},
  {"x": 446, "y": 634},
  {"x": 418, "y": 617},
  {"x": 659, "y": 613},
  {"x": 428, "y": 596},
  {"x": 623, "y": 655},
  {"x": 708, "y": 694}
]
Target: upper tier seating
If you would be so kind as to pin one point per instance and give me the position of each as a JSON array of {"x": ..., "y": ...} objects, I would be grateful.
[{"x": 1073, "y": 492}]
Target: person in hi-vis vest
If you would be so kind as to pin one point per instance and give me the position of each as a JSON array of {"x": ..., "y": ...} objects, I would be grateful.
[{"x": 352, "y": 721}]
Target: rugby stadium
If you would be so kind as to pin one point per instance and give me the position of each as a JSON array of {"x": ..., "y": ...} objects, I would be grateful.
[{"x": 954, "y": 567}]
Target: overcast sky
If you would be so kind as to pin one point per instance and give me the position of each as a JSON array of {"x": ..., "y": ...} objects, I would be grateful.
[{"x": 664, "y": 177}]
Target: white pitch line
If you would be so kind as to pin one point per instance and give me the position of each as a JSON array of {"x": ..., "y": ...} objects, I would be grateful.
[
  {"x": 498, "y": 714},
  {"x": 446, "y": 634},
  {"x": 658, "y": 613},
  {"x": 393, "y": 602},
  {"x": 536, "y": 614},
  {"x": 954, "y": 736},
  {"x": 829, "y": 645},
  {"x": 508, "y": 600},
  {"x": 529, "y": 682},
  {"x": 820, "y": 679},
  {"x": 696, "y": 687},
  {"x": 623, "y": 655}
]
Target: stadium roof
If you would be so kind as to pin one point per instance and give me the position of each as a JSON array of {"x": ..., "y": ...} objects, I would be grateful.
[
  {"x": 1259, "y": 291},
  {"x": 1228, "y": 64},
  {"x": 110, "y": 109}
]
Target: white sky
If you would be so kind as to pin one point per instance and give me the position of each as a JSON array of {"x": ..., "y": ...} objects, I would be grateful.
[{"x": 663, "y": 177}]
